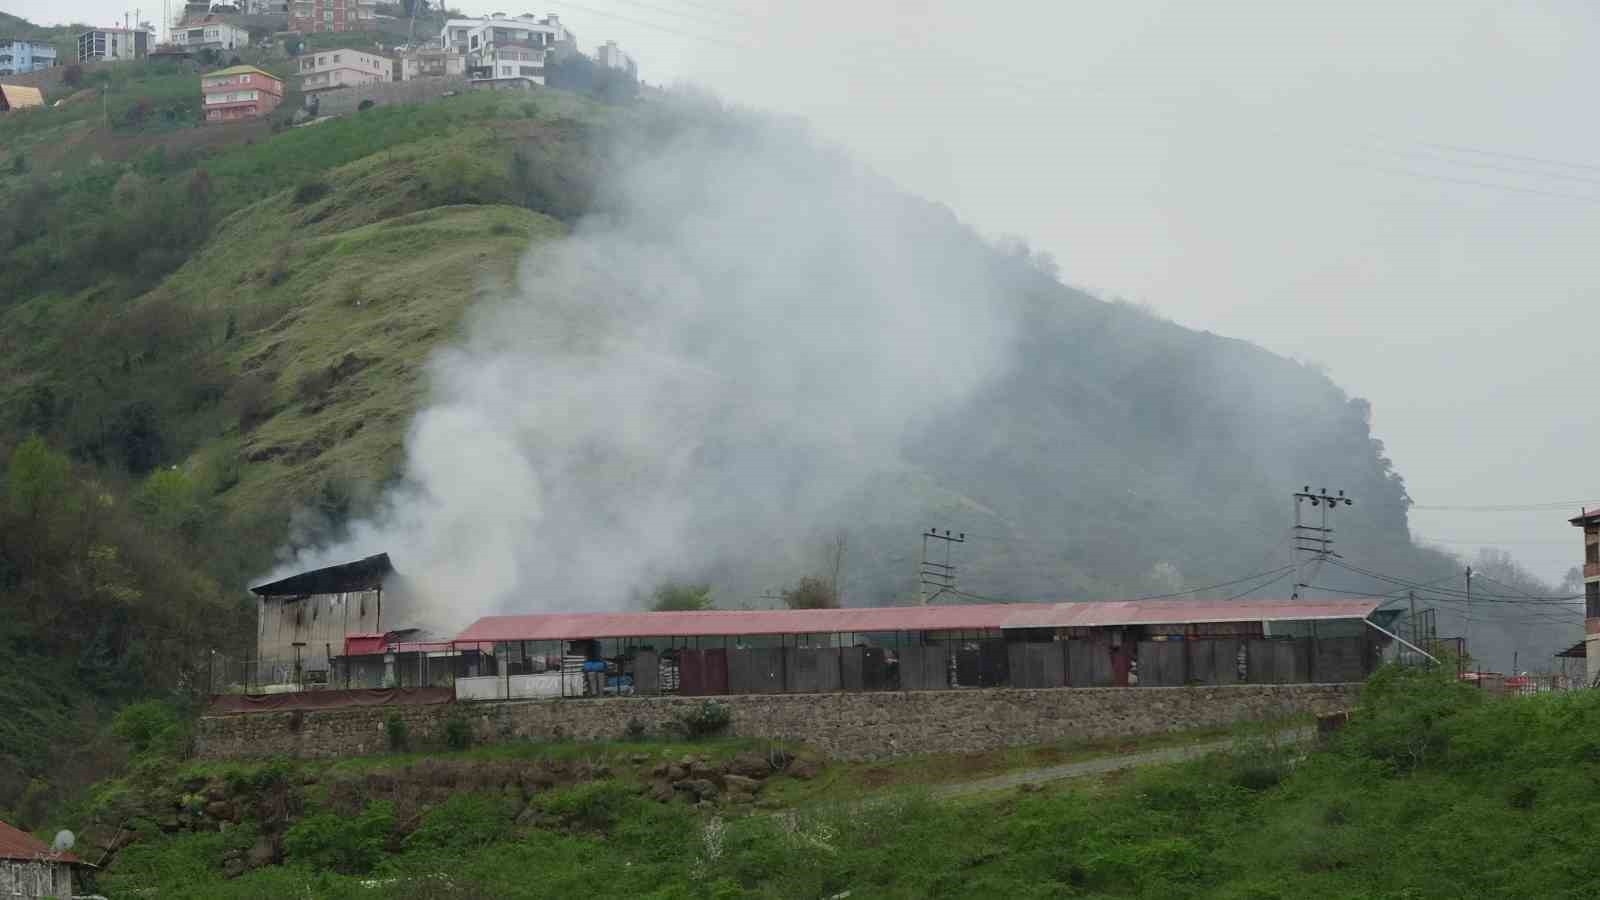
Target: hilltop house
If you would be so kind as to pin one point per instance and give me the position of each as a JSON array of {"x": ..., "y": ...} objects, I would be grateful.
[
  {"x": 30, "y": 868},
  {"x": 507, "y": 51},
  {"x": 331, "y": 15},
  {"x": 211, "y": 33},
  {"x": 14, "y": 97},
  {"x": 429, "y": 62},
  {"x": 334, "y": 69},
  {"x": 17, "y": 57},
  {"x": 241, "y": 92},
  {"x": 610, "y": 56},
  {"x": 113, "y": 43}
]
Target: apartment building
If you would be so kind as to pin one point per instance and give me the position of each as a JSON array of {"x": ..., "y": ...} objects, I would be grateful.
[
  {"x": 113, "y": 44},
  {"x": 333, "y": 69},
  {"x": 429, "y": 62},
  {"x": 507, "y": 48},
  {"x": 611, "y": 56},
  {"x": 211, "y": 34},
  {"x": 18, "y": 56},
  {"x": 241, "y": 92},
  {"x": 331, "y": 15}
]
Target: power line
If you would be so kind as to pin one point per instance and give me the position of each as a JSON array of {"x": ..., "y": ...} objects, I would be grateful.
[
  {"x": 1457, "y": 148},
  {"x": 1476, "y": 596},
  {"x": 1247, "y": 591},
  {"x": 1412, "y": 173},
  {"x": 1278, "y": 571},
  {"x": 1512, "y": 507}
]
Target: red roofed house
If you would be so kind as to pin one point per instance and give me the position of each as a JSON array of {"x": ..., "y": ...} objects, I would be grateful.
[
  {"x": 240, "y": 92},
  {"x": 29, "y": 868}
]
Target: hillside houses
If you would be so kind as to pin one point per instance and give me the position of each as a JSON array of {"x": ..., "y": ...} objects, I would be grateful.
[
  {"x": 334, "y": 69},
  {"x": 211, "y": 33},
  {"x": 240, "y": 92},
  {"x": 19, "y": 56},
  {"x": 504, "y": 50}
]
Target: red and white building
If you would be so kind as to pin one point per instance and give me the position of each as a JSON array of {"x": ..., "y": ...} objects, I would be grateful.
[
  {"x": 1589, "y": 521},
  {"x": 331, "y": 15},
  {"x": 242, "y": 92}
]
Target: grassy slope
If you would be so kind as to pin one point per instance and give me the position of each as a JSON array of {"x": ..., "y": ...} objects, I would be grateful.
[{"x": 1432, "y": 792}]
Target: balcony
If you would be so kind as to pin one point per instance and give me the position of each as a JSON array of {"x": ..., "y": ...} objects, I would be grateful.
[{"x": 1591, "y": 570}]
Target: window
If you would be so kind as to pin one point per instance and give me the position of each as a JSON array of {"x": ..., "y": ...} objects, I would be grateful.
[
  {"x": 1591, "y": 553},
  {"x": 505, "y": 70},
  {"x": 336, "y": 57},
  {"x": 531, "y": 71},
  {"x": 1591, "y": 600},
  {"x": 244, "y": 79}
]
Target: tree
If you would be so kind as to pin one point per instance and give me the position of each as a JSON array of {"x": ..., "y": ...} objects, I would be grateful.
[
  {"x": 36, "y": 478},
  {"x": 675, "y": 596},
  {"x": 811, "y": 592}
]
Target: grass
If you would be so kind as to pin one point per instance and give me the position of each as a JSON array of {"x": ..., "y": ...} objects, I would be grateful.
[{"x": 1500, "y": 808}]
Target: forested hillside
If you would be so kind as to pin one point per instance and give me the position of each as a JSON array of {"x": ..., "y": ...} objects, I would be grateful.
[{"x": 215, "y": 342}]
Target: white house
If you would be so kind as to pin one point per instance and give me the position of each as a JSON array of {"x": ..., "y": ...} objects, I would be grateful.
[
  {"x": 611, "y": 56},
  {"x": 114, "y": 43},
  {"x": 212, "y": 34},
  {"x": 329, "y": 70},
  {"x": 506, "y": 48},
  {"x": 429, "y": 62}
]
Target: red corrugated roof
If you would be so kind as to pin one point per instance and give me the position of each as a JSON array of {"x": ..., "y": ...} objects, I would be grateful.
[
  {"x": 15, "y": 844},
  {"x": 577, "y": 626}
]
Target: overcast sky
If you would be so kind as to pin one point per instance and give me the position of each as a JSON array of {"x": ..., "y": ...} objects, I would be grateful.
[{"x": 1310, "y": 177}]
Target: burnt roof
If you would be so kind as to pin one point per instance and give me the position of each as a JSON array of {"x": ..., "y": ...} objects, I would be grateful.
[{"x": 361, "y": 575}]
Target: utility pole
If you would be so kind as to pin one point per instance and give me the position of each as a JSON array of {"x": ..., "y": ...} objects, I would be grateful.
[
  {"x": 1469, "y": 628},
  {"x": 936, "y": 578},
  {"x": 1412, "y": 596},
  {"x": 1313, "y": 543}
]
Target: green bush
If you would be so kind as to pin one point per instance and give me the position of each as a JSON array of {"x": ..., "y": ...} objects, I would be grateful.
[
  {"x": 342, "y": 843},
  {"x": 463, "y": 821},
  {"x": 395, "y": 729},
  {"x": 595, "y": 805},
  {"x": 708, "y": 719},
  {"x": 311, "y": 191},
  {"x": 457, "y": 732},
  {"x": 151, "y": 726}
]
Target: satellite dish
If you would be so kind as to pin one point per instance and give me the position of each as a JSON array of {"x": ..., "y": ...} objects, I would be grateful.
[{"x": 63, "y": 842}]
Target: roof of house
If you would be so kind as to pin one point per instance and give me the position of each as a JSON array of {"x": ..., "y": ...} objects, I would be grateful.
[
  {"x": 1586, "y": 516},
  {"x": 19, "y": 97},
  {"x": 18, "y": 844},
  {"x": 981, "y": 617},
  {"x": 240, "y": 70},
  {"x": 361, "y": 575}
]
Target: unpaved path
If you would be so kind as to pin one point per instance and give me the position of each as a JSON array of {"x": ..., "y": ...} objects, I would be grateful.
[{"x": 1108, "y": 764}]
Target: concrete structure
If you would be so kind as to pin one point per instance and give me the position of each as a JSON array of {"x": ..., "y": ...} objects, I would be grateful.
[
  {"x": 331, "y": 15},
  {"x": 507, "y": 49},
  {"x": 30, "y": 868},
  {"x": 845, "y": 726},
  {"x": 15, "y": 97},
  {"x": 417, "y": 90},
  {"x": 429, "y": 62},
  {"x": 1589, "y": 521},
  {"x": 210, "y": 33},
  {"x": 329, "y": 70},
  {"x": 19, "y": 56},
  {"x": 114, "y": 43},
  {"x": 610, "y": 56},
  {"x": 242, "y": 92}
]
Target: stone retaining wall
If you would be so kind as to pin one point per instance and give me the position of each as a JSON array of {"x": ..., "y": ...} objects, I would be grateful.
[
  {"x": 842, "y": 725},
  {"x": 344, "y": 101}
]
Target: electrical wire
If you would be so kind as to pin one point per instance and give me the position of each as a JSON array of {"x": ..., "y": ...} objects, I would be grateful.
[
  {"x": 1466, "y": 594},
  {"x": 1278, "y": 571}
]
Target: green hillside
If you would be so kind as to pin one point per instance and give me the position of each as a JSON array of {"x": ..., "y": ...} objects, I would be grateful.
[
  {"x": 213, "y": 342},
  {"x": 1432, "y": 791}
]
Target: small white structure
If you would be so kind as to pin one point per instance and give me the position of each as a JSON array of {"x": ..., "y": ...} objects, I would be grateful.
[
  {"x": 114, "y": 43},
  {"x": 31, "y": 868},
  {"x": 429, "y": 62},
  {"x": 213, "y": 34},
  {"x": 610, "y": 56},
  {"x": 329, "y": 70}
]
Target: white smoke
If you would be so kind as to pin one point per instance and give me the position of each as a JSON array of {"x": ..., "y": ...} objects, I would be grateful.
[{"x": 694, "y": 381}]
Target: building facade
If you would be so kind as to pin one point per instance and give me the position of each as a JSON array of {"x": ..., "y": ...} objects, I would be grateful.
[
  {"x": 333, "y": 69},
  {"x": 242, "y": 92},
  {"x": 17, "y": 56},
  {"x": 113, "y": 44},
  {"x": 429, "y": 63},
  {"x": 211, "y": 34},
  {"x": 610, "y": 56},
  {"x": 31, "y": 868},
  {"x": 1589, "y": 521},
  {"x": 308, "y": 16},
  {"x": 507, "y": 49},
  {"x": 303, "y": 620}
]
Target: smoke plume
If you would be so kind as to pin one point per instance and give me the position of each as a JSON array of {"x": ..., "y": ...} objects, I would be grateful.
[{"x": 693, "y": 384}]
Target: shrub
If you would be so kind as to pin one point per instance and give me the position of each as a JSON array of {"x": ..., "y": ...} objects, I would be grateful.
[
  {"x": 344, "y": 844},
  {"x": 394, "y": 728},
  {"x": 19, "y": 164},
  {"x": 464, "y": 821},
  {"x": 365, "y": 105},
  {"x": 457, "y": 732},
  {"x": 673, "y": 596},
  {"x": 708, "y": 719},
  {"x": 634, "y": 731},
  {"x": 811, "y": 593},
  {"x": 151, "y": 727},
  {"x": 311, "y": 191},
  {"x": 596, "y": 804}
]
